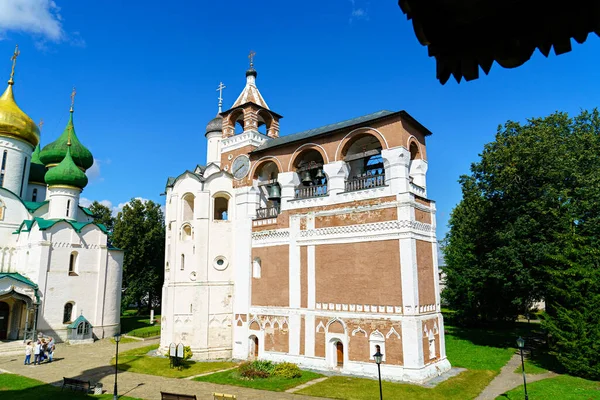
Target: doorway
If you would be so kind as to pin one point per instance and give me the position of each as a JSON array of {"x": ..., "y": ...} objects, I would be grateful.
[
  {"x": 4, "y": 312},
  {"x": 253, "y": 347},
  {"x": 339, "y": 348}
]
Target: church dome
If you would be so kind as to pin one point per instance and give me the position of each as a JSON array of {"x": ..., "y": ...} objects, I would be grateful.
[
  {"x": 215, "y": 124},
  {"x": 53, "y": 153},
  {"x": 66, "y": 173},
  {"x": 37, "y": 169},
  {"x": 14, "y": 122}
]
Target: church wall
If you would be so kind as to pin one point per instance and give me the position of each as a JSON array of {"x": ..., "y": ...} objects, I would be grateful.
[
  {"x": 17, "y": 153},
  {"x": 272, "y": 288},
  {"x": 426, "y": 274},
  {"x": 355, "y": 218},
  {"x": 422, "y": 216},
  {"x": 112, "y": 298},
  {"x": 358, "y": 273},
  {"x": 303, "y": 277},
  {"x": 13, "y": 214}
]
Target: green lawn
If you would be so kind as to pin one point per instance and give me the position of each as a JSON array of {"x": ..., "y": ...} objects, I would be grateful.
[
  {"x": 137, "y": 360},
  {"x": 462, "y": 352},
  {"x": 16, "y": 387},
  {"x": 562, "y": 387},
  {"x": 125, "y": 340},
  {"x": 465, "y": 386},
  {"x": 139, "y": 325},
  {"x": 531, "y": 368},
  {"x": 273, "y": 383}
]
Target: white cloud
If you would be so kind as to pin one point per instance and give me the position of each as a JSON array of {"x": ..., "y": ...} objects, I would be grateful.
[
  {"x": 38, "y": 17},
  {"x": 358, "y": 12},
  {"x": 93, "y": 173}
]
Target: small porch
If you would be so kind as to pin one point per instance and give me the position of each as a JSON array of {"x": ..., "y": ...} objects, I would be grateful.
[{"x": 18, "y": 307}]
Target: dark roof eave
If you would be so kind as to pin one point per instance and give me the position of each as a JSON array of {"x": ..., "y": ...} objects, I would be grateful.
[{"x": 224, "y": 113}]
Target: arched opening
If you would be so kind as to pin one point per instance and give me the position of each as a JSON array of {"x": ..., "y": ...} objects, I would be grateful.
[
  {"x": 431, "y": 339},
  {"x": 256, "y": 268},
  {"x": 68, "y": 207},
  {"x": 73, "y": 263},
  {"x": 4, "y": 314},
  {"x": 339, "y": 354},
  {"x": 68, "y": 313},
  {"x": 34, "y": 195},
  {"x": 3, "y": 167},
  {"x": 269, "y": 190},
  {"x": 221, "y": 208},
  {"x": 377, "y": 343},
  {"x": 363, "y": 156},
  {"x": 182, "y": 266},
  {"x": 265, "y": 121},
  {"x": 188, "y": 206},
  {"x": 2, "y": 208},
  {"x": 313, "y": 181},
  {"x": 415, "y": 166},
  {"x": 186, "y": 233},
  {"x": 253, "y": 347},
  {"x": 236, "y": 120}
]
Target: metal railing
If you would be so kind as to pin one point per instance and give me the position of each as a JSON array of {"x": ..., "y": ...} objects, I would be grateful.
[
  {"x": 305, "y": 192},
  {"x": 267, "y": 212},
  {"x": 365, "y": 182}
]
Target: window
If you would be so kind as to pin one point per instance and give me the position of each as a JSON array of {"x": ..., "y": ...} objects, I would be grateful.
[
  {"x": 377, "y": 343},
  {"x": 313, "y": 181},
  {"x": 1, "y": 210},
  {"x": 67, "y": 314},
  {"x": 182, "y": 262},
  {"x": 23, "y": 177},
  {"x": 73, "y": 264},
  {"x": 68, "y": 206},
  {"x": 3, "y": 168},
  {"x": 256, "y": 268},
  {"x": 186, "y": 233},
  {"x": 188, "y": 206},
  {"x": 34, "y": 195},
  {"x": 82, "y": 328},
  {"x": 221, "y": 207}
]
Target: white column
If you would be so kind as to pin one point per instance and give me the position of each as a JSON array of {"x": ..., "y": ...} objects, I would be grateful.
[
  {"x": 288, "y": 182},
  {"x": 418, "y": 171},
  {"x": 336, "y": 176},
  {"x": 396, "y": 168}
]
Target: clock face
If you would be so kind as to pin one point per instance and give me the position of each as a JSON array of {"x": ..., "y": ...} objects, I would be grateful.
[{"x": 240, "y": 167}]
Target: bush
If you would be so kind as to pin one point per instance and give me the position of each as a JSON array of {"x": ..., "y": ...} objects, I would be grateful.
[
  {"x": 287, "y": 370},
  {"x": 248, "y": 370},
  {"x": 187, "y": 353},
  {"x": 263, "y": 365}
]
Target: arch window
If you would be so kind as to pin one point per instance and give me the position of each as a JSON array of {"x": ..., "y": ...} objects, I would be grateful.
[
  {"x": 34, "y": 195},
  {"x": 221, "y": 206},
  {"x": 265, "y": 122},
  {"x": 377, "y": 343},
  {"x": 236, "y": 120},
  {"x": 73, "y": 263},
  {"x": 313, "y": 181},
  {"x": 256, "y": 268},
  {"x": 186, "y": 233},
  {"x": 363, "y": 156},
  {"x": 269, "y": 190},
  {"x": 3, "y": 167},
  {"x": 182, "y": 262},
  {"x": 188, "y": 206},
  {"x": 83, "y": 328},
  {"x": 2, "y": 207},
  {"x": 68, "y": 313},
  {"x": 68, "y": 207},
  {"x": 23, "y": 177}
]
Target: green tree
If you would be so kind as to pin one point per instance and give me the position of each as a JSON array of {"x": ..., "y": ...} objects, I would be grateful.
[
  {"x": 102, "y": 215},
  {"x": 140, "y": 231},
  {"x": 527, "y": 229}
]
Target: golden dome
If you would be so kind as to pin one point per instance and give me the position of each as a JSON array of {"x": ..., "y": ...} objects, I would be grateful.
[{"x": 14, "y": 122}]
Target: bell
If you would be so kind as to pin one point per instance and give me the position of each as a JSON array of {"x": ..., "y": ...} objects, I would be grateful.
[
  {"x": 274, "y": 192},
  {"x": 320, "y": 174},
  {"x": 306, "y": 177}
]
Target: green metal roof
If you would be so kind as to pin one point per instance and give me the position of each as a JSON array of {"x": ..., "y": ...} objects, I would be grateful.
[
  {"x": 37, "y": 169},
  {"x": 33, "y": 206},
  {"x": 18, "y": 277},
  {"x": 87, "y": 211},
  {"x": 53, "y": 153},
  {"x": 295, "y": 137},
  {"x": 79, "y": 320},
  {"x": 44, "y": 224},
  {"x": 66, "y": 173}
]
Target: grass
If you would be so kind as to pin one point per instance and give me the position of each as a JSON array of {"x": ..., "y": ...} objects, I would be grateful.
[
  {"x": 273, "y": 383},
  {"x": 462, "y": 352},
  {"x": 125, "y": 340},
  {"x": 531, "y": 368},
  {"x": 17, "y": 387},
  {"x": 139, "y": 325},
  {"x": 137, "y": 360},
  {"x": 562, "y": 387},
  {"x": 467, "y": 385}
]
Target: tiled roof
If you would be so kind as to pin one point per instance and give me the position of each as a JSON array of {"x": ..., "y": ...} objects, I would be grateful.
[
  {"x": 18, "y": 277},
  {"x": 79, "y": 320}
]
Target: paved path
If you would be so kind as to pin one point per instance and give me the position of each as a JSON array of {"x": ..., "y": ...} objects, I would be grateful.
[
  {"x": 92, "y": 362},
  {"x": 508, "y": 379}
]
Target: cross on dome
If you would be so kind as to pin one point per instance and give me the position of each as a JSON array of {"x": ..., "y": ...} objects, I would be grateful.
[{"x": 14, "y": 63}]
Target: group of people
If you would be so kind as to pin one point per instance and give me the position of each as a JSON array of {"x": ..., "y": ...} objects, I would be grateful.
[{"x": 42, "y": 350}]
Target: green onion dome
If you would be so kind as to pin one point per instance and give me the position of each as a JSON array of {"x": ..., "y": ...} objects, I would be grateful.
[
  {"x": 56, "y": 151},
  {"x": 37, "y": 169},
  {"x": 66, "y": 173}
]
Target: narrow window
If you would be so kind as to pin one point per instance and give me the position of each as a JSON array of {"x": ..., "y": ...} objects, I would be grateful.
[
  {"x": 80, "y": 328},
  {"x": 23, "y": 177},
  {"x": 68, "y": 311},
  {"x": 34, "y": 195},
  {"x": 68, "y": 206},
  {"x": 182, "y": 262},
  {"x": 3, "y": 168},
  {"x": 73, "y": 264},
  {"x": 256, "y": 268},
  {"x": 221, "y": 208}
]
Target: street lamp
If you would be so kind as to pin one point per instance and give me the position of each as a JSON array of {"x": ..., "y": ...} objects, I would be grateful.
[
  {"x": 117, "y": 338},
  {"x": 521, "y": 344},
  {"x": 378, "y": 357}
]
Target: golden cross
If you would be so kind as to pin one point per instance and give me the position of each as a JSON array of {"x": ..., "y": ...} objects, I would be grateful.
[
  {"x": 41, "y": 124},
  {"x": 251, "y": 57},
  {"x": 14, "y": 63},
  {"x": 73, "y": 93}
]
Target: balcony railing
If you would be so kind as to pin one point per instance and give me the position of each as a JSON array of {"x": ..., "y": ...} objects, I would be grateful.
[
  {"x": 365, "y": 182},
  {"x": 267, "y": 212},
  {"x": 305, "y": 192}
]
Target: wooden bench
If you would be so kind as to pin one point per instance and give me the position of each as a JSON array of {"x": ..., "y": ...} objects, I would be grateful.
[
  {"x": 222, "y": 396},
  {"x": 175, "y": 396},
  {"x": 77, "y": 384}
]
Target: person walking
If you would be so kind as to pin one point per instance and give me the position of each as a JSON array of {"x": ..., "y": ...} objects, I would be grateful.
[
  {"x": 28, "y": 351},
  {"x": 51, "y": 348},
  {"x": 36, "y": 352}
]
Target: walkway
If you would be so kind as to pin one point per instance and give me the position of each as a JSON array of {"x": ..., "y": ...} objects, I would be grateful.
[
  {"x": 92, "y": 362},
  {"x": 508, "y": 379}
]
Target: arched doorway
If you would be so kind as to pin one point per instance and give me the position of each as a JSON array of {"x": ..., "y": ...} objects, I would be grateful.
[
  {"x": 4, "y": 313},
  {"x": 339, "y": 351},
  {"x": 253, "y": 347}
]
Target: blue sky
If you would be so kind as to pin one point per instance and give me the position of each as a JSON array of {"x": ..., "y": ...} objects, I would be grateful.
[{"x": 146, "y": 79}]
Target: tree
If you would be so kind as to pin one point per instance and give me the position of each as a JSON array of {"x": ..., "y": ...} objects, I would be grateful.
[
  {"x": 139, "y": 230},
  {"x": 102, "y": 215},
  {"x": 528, "y": 228}
]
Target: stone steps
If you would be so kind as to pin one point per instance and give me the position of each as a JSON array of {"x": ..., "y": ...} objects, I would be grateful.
[{"x": 12, "y": 348}]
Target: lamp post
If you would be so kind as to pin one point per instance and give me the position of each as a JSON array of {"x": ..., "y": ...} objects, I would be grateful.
[
  {"x": 378, "y": 357},
  {"x": 521, "y": 344},
  {"x": 117, "y": 338}
]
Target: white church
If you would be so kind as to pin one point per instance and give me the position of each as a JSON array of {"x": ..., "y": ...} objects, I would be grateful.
[
  {"x": 316, "y": 248},
  {"x": 59, "y": 275}
]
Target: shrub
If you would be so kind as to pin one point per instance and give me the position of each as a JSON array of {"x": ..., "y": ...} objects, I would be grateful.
[
  {"x": 187, "y": 353},
  {"x": 287, "y": 370},
  {"x": 248, "y": 370},
  {"x": 263, "y": 365}
]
